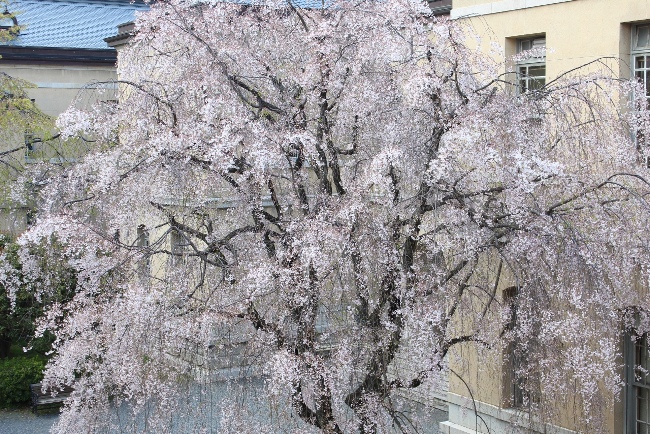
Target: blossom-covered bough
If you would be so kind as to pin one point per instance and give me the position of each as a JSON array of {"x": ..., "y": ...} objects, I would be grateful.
[{"x": 341, "y": 194}]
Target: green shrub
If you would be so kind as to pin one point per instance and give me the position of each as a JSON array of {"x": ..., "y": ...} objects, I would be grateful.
[{"x": 16, "y": 375}]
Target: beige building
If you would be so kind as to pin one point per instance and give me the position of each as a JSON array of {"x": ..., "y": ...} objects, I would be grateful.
[
  {"x": 60, "y": 46},
  {"x": 567, "y": 34},
  {"x": 575, "y": 32},
  {"x": 60, "y": 49}
]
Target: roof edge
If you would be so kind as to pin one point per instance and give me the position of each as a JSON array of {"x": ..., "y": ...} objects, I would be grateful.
[
  {"x": 50, "y": 55},
  {"x": 124, "y": 32},
  {"x": 137, "y": 3}
]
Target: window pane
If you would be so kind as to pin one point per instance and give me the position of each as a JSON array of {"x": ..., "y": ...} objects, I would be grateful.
[
  {"x": 642, "y": 360},
  {"x": 642, "y": 37},
  {"x": 525, "y": 45},
  {"x": 178, "y": 244},
  {"x": 536, "y": 77},
  {"x": 640, "y": 62},
  {"x": 539, "y": 43},
  {"x": 644, "y": 341},
  {"x": 143, "y": 236},
  {"x": 523, "y": 87},
  {"x": 531, "y": 77},
  {"x": 537, "y": 71},
  {"x": 536, "y": 83}
]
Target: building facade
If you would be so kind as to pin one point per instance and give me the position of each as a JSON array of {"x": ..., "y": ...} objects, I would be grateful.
[
  {"x": 58, "y": 47},
  {"x": 574, "y": 36}
]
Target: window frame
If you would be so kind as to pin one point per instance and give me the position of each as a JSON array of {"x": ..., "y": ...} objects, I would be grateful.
[
  {"x": 525, "y": 79},
  {"x": 178, "y": 244},
  {"x": 142, "y": 242},
  {"x": 519, "y": 393},
  {"x": 632, "y": 357},
  {"x": 513, "y": 391},
  {"x": 636, "y": 53}
]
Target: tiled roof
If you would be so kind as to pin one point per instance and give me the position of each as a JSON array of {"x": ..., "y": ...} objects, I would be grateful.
[{"x": 70, "y": 23}]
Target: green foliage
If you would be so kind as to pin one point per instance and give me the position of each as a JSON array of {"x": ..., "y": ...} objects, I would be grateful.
[
  {"x": 15, "y": 377},
  {"x": 27, "y": 135},
  {"x": 18, "y": 113},
  {"x": 17, "y": 321},
  {"x": 13, "y": 31},
  {"x": 21, "y": 121}
]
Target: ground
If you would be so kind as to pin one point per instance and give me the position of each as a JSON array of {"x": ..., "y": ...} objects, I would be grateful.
[{"x": 23, "y": 421}]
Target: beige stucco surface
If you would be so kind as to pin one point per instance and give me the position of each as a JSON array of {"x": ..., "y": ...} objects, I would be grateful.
[
  {"x": 57, "y": 85},
  {"x": 577, "y": 32}
]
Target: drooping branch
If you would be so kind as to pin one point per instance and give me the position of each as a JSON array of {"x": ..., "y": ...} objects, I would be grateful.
[
  {"x": 178, "y": 225},
  {"x": 261, "y": 324}
]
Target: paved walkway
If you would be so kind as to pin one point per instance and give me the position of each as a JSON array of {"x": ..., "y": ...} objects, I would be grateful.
[{"x": 23, "y": 421}]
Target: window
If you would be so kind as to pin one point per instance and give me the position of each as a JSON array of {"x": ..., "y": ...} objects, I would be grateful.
[
  {"x": 440, "y": 7},
  {"x": 531, "y": 70},
  {"x": 641, "y": 71},
  {"x": 638, "y": 384},
  {"x": 513, "y": 385},
  {"x": 143, "y": 237},
  {"x": 518, "y": 390},
  {"x": 142, "y": 242},
  {"x": 178, "y": 244},
  {"x": 641, "y": 55},
  {"x": 32, "y": 154}
]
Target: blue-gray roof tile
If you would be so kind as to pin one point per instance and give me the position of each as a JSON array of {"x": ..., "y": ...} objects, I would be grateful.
[{"x": 70, "y": 23}]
